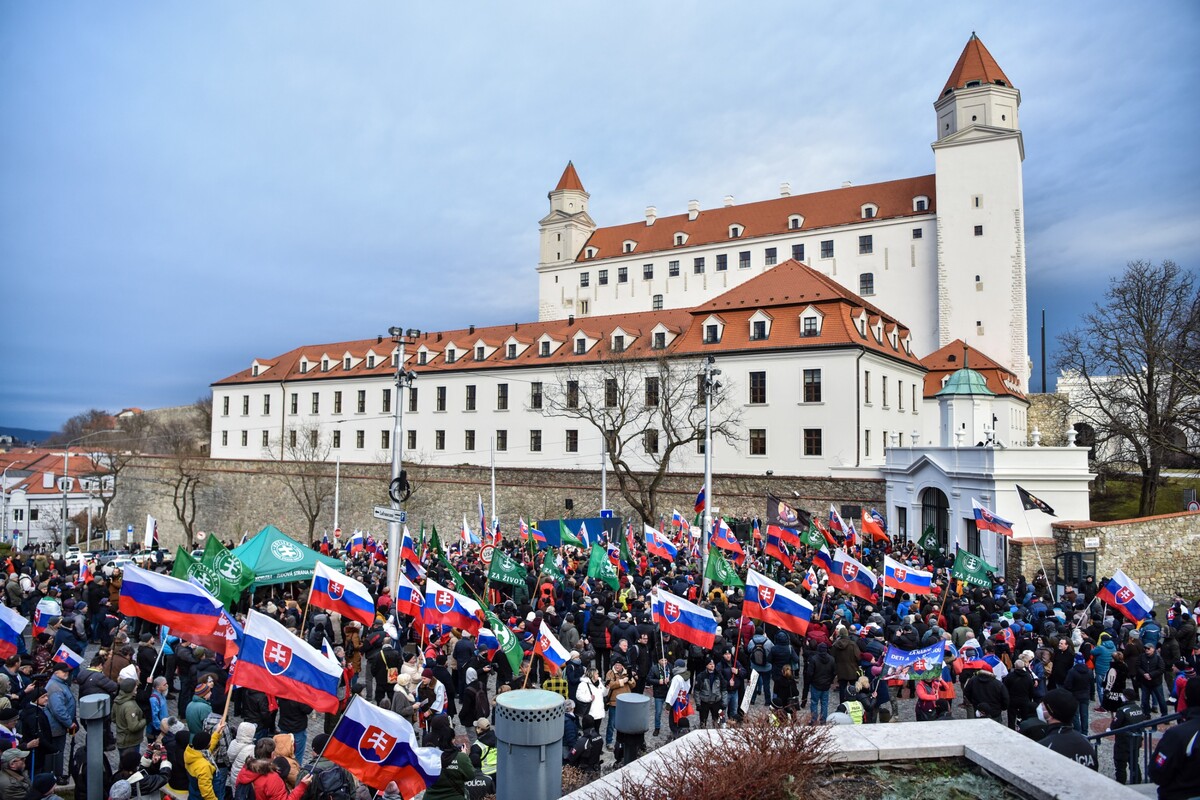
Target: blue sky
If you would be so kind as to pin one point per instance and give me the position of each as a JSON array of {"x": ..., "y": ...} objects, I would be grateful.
[{"x": 188, "y": 186}]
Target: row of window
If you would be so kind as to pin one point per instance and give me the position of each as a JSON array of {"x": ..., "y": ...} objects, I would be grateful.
[
  {"x": 347, "y": 364},
  {"x": 360, "y": 403},
  {"x": 811, "y": 442},
  {"x": 883, "y": 391}
]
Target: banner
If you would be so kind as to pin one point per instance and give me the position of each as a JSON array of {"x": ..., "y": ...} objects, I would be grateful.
[
  {"x": 786, "y": 515},
  {"x": 721, "y": 571},
  {"x": 972, "y": 569},
  {"x": 920, "y": 664},
  {"x": 504, "y": 569}
]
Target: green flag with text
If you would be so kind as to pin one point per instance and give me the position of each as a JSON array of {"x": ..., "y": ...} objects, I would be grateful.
[
  {"x": 507, "y": 639},
  {"x": 504, "y": 569},
  {"x": 719, "y": 570},
  {"x": 972, "y": 569},
  {"x": 601, "y": 568}
]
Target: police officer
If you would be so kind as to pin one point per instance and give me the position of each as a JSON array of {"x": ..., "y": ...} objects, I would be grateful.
[
  {"x": 1128, "y": 746},
  {"x": 1175, "y": 766},
  {"x": 1057, "y": 710}
]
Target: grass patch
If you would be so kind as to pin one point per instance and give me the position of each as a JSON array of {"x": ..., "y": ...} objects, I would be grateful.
[
  {"x": 933, "y": 779},
  {"x": 1119, "y": 500}
]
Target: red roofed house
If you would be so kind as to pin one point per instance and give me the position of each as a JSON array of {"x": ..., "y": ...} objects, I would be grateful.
[{"x": 31, "y": 500}]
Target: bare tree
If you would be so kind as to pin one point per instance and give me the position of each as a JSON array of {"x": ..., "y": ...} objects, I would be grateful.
[
  {"x": 89, "y": 422},
  {"x": 306, "y": 472},
  {"x": 186, "y": 474},
  {"x": 112, "y": 454},
  {"x": 648, "y": 410},
  {"x": 1134, "y": 360}
]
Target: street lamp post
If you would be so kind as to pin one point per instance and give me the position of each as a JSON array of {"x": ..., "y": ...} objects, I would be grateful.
[
  {"x": 66, "y": 483},
  {"x": 710, "y": 385},
  {"x": 403, "y": 378}
]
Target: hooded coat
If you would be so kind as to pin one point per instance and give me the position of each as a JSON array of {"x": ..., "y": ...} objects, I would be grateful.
[
  {"x": 241, "y": 748},
  {"x": 285, "y": 747},
  {"x": 128, "y": 718}
]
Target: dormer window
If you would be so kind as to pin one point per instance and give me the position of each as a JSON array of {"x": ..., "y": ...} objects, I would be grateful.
[
  {"x": 618, "y": 344},
  {"x": 589, "y": 252},
  {"x": 451, "y": 355},
  {"x": 628, "y": 246},
  {"x": 794, "y": 222},
  {"x": 422, "y": 358},
  {"x": 543, "y": 349},
  {"x": 869, "y": 210},
  {"x": 370, "y": 362},
  {"x": 512, "y": 351},
  {"x": 303, "y": 367},
  {"x": 712, "y": 334},
  {"x": 810, "y": 326},
  {"x": 324, "y": 365},
  {"x": 810, "y": 322},
  {"x": 735, "y": 231},
  {"x": 346, "y": 363},
  {"x": 920, "y": 203},
  {"x": 480, "y": 353},
  {"x": 254, "y": 371},
  {"x": 973, "y": 84},
  {"x": 758, "y": 330},
  {"x": 660, "y": 341},
  {"x": 580, "y": 346},
  {"x": 680, "y": 239}
]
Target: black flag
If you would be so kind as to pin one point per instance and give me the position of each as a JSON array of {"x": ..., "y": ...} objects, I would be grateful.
[
  {"x": 1030, "y": 502},
  {"x": 785, "y": 515}
]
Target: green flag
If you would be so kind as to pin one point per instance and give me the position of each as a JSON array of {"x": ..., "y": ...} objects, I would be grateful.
[
  {"x": 929, "y": 540},
  {"x": 600, "y": 567},
  {"x": 508, "y": 641},
  {"x": 626, "y": 556},
  {"x": 721, "y": 571},
  {"x": 235, "y": 576},
  {"x": 435, "y": 544},
  {"x": 550, "y": 565},
  {"x": 189, "y": 569},
  {"x": 567, "y": 538},
  {"x": 972, "y": 569},
  {"x": 504, "y": 569},
  {"x": 812, "y": 537}
]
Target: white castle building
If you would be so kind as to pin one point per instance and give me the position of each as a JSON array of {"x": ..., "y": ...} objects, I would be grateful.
[{"x": 836, "y": 319}]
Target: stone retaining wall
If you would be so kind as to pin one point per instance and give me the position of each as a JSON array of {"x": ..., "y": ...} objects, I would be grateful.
[
  {"x": 241, "y": 496},
  {"x": 1048, "y": 413},
  {"x": 1161, "y": 553}
]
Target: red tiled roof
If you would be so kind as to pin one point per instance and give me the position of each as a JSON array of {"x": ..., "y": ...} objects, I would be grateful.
[
  {"x": 789, "y": 288},
  {"x": 40, "y": 461},
  {"x": 569, "y": 180},
  {"x": 949, "y": 360},
  {"x": 765, "y": 218},
  {"x": 975, "y": 64}
]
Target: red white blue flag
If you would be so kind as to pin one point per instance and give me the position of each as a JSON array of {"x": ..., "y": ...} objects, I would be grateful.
[
  {"x": 446, "y": 607},
  {"x": 723, "y": 538},
  {"x": 379, "y": 747},
  {"x": 163, "y": 600},
  {"x": 985, "y": 520},
  {"x": 281, "y": 664},
  {"x": 659, "y": 545},
  {"x": 1122, "y": 592},
  {"x": 683, "y": 619},
  {"x": 66, "y": 655},
  {"x": 333, "y": 591},
  {"x": 551, "y": 649},
  {"x": 409, "y": 599},
  {"x": 12, "y": 626},
  {"x": 900, "y": 577},
  {"x": 775, "y": 604},
  {"x": 847, "y": 573},
  {"x": 700, "y": 501}
]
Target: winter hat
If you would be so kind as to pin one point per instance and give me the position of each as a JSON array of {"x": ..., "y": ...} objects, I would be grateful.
[
  {"x": 121, "y": 790},
  {"x": 427, "y": 674},
  {"x": 42, "y": 785},
  {"x": 203, "y": 690},
  {"x": 128, "y": 684},
  {"x": 1062, "y": 704},
  {"x": 319, "y": 741}
]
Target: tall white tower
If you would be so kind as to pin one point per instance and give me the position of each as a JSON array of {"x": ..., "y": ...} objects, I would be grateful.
[
  {"x": 563, "y": 233},
  {"x": 980, "y": 212}
]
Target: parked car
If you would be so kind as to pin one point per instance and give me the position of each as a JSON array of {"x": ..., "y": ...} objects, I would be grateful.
[{"x": 117, "y": 563}]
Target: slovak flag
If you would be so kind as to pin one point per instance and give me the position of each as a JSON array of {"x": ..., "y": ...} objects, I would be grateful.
[
  {"x": 775, "y": 604},
  {"x": 409, "y": 599},
  {"x": 700, "y": 502},
  {"x": 757, "y": 531},
  {"x": 379, "y": 747},
  {"x": 281, "y": 664},
  {"x": 551, "y": 649},
  {"x": 468, "y": 536},
  {"x": 163, "y": 600},
  {"x": 446, "y": 607},
  {"x": 902, "y": 578},
  {"x": 85, "y": 572},
  {"x": 836, "y": 523},
  {"x": 333, "y": 591},
  {"x": 985, "y": 520},
  {"x": 789, "y": 536},
  {"x": 847, "y": 573},
  {"x": 723, "y": 538},
  {"x": 66, "y": 655},
  {"x": 682, "y": 705},
  {"x": 12, "y": 626},
  {"x": 659, "y": 545},
  {"x": 1127, "y": 597},
  {"x": 355, "y": 543},
  {"x": 810, "y": 580},
  {"x": 677, "y": 520},
  {"x": 778, "y": 551},
  {"x": 683, "y": 619}
]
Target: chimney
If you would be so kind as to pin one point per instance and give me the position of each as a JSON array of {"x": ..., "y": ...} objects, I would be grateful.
[
  {"x": 471, "y": 330},
  {"x": 651, "y": 215},
  {"x": 379, "y": 340},
  {"x": 516, "y": 326},
  {"x": 693, "y": 209},
  {"x": 785, "y": 189},
  {"x": 847, "y": 184},
  {"x": 728, "y": 200},
  {"x": 570, "y": 320},
  {"x": 47, "y": 480}
]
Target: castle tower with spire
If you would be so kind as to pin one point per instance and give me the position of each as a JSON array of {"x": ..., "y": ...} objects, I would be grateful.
[
  {"x": 981, "y": 211},
  {"x": 563, "y": 233}
]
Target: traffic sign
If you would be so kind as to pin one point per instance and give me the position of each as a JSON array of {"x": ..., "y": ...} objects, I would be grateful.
[
  {"x": 1193, "y": 506},
  {"x": 390, "y": 514},
  {"x": 606, "y": 513},
  {"x": 486, "y": 554}
]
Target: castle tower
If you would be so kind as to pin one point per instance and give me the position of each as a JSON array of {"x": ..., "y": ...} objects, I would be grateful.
[
  {"x": 981, "y": 223},
  {"x": 563, "y": 233}
]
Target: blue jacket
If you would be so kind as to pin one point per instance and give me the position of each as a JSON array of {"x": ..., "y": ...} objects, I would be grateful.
[
  {"x": 61, "y": 707},
  {"x": 1102, "y": 655},
  {"x": 158, "y": 710}
]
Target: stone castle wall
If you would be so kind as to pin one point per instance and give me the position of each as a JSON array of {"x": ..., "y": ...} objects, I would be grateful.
[
  {"x": 1048, "y": 413},
  {"x": 243, "y": 496},
  {"x": 1161, "y": 553}
]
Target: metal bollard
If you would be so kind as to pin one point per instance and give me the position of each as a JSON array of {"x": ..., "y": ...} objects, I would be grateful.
[
  {"x": 529, "y": 730},
  {"x": 93, "y": 709}
]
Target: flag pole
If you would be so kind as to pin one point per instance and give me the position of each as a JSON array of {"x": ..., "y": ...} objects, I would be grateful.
[
  {"x": 1033, "y": 540},
  {"x": 308, "y": 601}
]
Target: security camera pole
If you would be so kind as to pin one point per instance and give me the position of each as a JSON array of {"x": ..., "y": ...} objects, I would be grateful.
[
  {"x": 398, "y": 489},
  {"x": 710, "y": 374}
]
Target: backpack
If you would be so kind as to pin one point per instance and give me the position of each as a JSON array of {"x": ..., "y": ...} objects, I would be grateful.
[
  {"x": 758, "y": 654},
  {"x": 329, "y": 784},
  {"x": 243, "y": 791}
]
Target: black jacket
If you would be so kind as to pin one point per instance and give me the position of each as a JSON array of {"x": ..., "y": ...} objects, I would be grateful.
[
  {"x": 986, "y": 694},
  {"x": 820, "y": 671},
  {"x": 1175, "y": 765},
  {"x": 256, "y": 708},
  {"x": 1066, "y": 741},
  {"x": 93, "y": 681},
  {"x": 1019, "y": 683},
  {"x": 293, "y": 717}
]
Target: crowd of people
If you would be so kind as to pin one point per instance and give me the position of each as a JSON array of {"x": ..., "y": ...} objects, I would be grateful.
[{"x": 1014, "y": 653}]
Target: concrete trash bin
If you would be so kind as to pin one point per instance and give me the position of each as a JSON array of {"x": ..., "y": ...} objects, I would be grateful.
[
  {"x": 633, "y": 713},
  {"x": 529, "y": 730}
]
